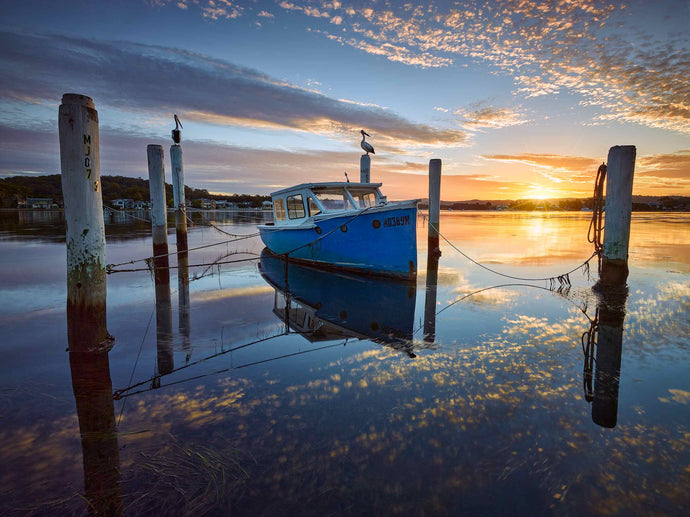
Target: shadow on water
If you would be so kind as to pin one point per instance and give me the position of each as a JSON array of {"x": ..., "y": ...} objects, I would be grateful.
[{"x": 324, "y": 306}]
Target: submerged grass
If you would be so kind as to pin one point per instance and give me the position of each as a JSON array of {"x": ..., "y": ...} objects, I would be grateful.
[{"x": 184, "y": 479}]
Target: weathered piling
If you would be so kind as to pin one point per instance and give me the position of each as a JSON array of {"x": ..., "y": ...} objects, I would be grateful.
[
  {"x": 85, "y": 235},
  {"x": 93, "y": 394},
  {"x": 609, "y": 349},
  {"x": 178, "y": 190},
  {"x": 365, "y": 169},
  {"x": 619, "y": 185},
  {"x": 434, "y": 204},
  {"x": 159, "y": 215}
]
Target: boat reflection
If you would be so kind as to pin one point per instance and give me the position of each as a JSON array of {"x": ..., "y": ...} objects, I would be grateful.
[{"x": 325, "y": 305}]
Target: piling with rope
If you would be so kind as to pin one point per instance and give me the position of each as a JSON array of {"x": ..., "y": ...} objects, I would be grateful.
[{"x": 619, "y": 185}]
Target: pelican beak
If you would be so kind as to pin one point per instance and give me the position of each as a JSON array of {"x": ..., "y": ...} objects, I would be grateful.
[{"x": 365, "y": 133}]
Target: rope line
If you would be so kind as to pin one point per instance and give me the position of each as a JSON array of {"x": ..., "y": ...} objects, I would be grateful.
[
  {"x": 321, "y": 236},
  {"x": 127, "y": 214},
  {"x": 211, "y": 225},
  {"x": 148, "y": 326},
  {"x": 257, "y": 257},
  {"x": 563, "y": 279},
  {"x": 596, "y": 225},
  {"x": 110, "y": 268}
]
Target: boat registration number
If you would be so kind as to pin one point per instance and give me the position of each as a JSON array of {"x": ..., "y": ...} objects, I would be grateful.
[{"x": 396, "y": 221}]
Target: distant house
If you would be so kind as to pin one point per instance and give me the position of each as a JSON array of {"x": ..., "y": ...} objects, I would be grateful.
[
  {"x": 40, "y": 202},
  {"x": 208, "y": 204},
  {"x": 123, "y": 204},
  {"x": 267, "y": 205}
]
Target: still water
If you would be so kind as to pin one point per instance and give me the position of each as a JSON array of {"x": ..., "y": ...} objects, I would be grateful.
[{"x": 266, "y": 390}]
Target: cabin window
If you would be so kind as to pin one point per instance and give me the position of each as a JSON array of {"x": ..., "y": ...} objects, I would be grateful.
[
  {"x": 313, "y": 207},
  {"x": 365, "y": 199},
  {"x": 295, "y": 207},
  {"x": 279, "y": 209},
  {"x": 333, "y": 199}
]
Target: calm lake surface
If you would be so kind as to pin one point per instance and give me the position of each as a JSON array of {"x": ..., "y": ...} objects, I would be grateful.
[{"x": 475, "y": 394}]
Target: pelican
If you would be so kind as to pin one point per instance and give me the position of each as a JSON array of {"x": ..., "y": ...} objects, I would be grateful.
[
  {"x": 366, "y": 145},
  {"x": 176, "y": 131}
]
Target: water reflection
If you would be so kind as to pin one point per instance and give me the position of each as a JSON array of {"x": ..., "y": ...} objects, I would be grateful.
[
  {"x": 605, "y": 338},
  {"x": 89, "y": 345},
  {"x": 184, "y": 325},
  {"x": 323, "y": 305},
  {"x": 430, "y": 300}
]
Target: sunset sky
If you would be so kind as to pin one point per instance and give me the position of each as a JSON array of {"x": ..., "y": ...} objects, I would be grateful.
[{"x": 519, "y": 98}]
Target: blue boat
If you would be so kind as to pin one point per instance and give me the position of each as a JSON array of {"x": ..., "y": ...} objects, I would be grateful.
[{"x": 344, "y": 226}]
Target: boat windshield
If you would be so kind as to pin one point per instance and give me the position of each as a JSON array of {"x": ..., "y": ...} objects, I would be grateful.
[
  {"x": 333, "y": 198},
  {"x": 364, "y": 198}
]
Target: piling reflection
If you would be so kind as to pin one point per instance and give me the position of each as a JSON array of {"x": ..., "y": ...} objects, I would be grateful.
[
  {"x": 93, "y": 394},
  {"x": 430, "y": 299},
  {"x": 325, "y": 305},
  {"x": 183, "y": 299},
  {"x": 603, "y": 348},
  {"x": 165, "y": 360}
]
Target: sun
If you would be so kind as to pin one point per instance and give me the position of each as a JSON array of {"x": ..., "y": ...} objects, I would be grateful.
[{"x": 540, "y": 193}]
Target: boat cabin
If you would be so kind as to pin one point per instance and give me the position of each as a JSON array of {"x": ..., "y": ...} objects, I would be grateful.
[{"x": 294, "y": 205}]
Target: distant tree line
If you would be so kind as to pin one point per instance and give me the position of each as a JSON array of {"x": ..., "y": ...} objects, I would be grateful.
[{"x": 17, "y": 188}]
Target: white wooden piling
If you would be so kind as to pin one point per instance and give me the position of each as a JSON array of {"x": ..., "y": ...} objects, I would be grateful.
[
  {"x": 159, "y": 215},
  {"x": 85, "y": 234},
  {"x": 434, "y": 203},
  {"x": 619, "y": 185},
  {"x": 365, "y": 169},
  {"x": 179, "y": 196}
]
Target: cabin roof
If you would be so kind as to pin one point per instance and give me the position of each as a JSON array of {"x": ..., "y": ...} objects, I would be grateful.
[{"x": 303, "y": 186}]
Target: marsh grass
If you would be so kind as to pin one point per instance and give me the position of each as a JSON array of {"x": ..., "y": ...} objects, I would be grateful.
[{"x": 184, "y": 479}]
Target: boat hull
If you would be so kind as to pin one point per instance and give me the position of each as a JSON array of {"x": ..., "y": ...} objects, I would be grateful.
[{"x": 380, "y": 241}]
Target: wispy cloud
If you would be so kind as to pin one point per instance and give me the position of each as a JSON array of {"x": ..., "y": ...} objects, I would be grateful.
[
  {"x": 557, "y": 168},
  {"x": 158, "y": 79},
  {"x": 577, "y": 46},
  {"x": 479, "y": 115}
]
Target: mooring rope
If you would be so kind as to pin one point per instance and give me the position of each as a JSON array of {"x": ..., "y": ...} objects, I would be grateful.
[
  {"x": 563, "y": 279},
  {"x": 596, "y": 225},
  {"x": 126, "y": 214},
  {"x": 589, "y": 343},
  {"x": 110, "y": 268},
  {"x": 325, "y": 234},
  {"x": 211, "y": 225}
]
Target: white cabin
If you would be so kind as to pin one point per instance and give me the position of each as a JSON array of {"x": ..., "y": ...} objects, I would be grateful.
[{"x": 294, "y": 205}]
